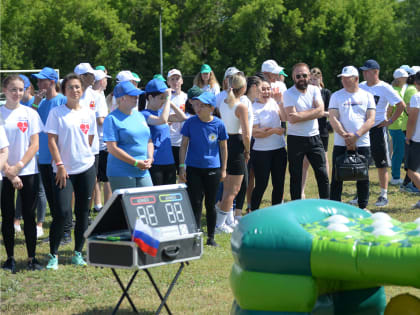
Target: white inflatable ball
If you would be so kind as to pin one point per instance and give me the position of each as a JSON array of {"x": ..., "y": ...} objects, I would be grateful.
[
  {"x": 383, "y": 232},
  {"x": 380, "y": 216},
  {"x": 384, "y": 224},
  {"x": 338, "y": 227}
]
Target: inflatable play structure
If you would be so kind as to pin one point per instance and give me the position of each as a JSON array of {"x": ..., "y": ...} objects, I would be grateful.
[{"x": 321, "y": 257}]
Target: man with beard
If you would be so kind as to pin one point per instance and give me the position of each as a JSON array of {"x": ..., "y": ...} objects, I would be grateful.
[{"x": 303, "y": 105}]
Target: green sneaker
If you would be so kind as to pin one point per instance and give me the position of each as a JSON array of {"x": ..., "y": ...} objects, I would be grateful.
[
  {"x": 53, "y": 262},
  {"x": 78, "y": 259}
]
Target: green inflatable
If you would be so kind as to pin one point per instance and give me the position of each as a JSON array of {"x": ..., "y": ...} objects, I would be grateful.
[{"x": 292, "y": 258}]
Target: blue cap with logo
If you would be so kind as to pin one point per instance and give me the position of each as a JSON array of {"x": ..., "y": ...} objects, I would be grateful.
[
  {"x": 156, "y": 86},
  {"x": 47, "y": 73},
  {"x": 126, "y": 88},
  {"x": 370, "y": 64},
  {"x": 26, "y": 82},
  {"x": 207, "y": 98}
]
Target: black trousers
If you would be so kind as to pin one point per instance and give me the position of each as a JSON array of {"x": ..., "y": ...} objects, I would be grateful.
[
  {"x": 361, "y": 185},
  {"x": 203, "y": 182},
  {"x": 313, "y": 148},
  {"x": 163, "y": 174},
  {"x": 29, "y": 194},
  {"x": 48, "y": 179},
  {"x": 82, "y": 185},
  {"x": 264, "y": 163}
]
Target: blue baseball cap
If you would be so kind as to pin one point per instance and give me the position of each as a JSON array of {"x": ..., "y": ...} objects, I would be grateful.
[
  {"x": 126, "y": 88},
  {"x": 47, "y": 73},
  {"x": 26, "y": 82},
  {"x": 207, "y": 98},
  {"x": 370, "y": 64},
  {"x": 156, "y": 85}
]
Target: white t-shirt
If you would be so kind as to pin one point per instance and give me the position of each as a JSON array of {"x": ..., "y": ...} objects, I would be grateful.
[
  {"x": 415, "y": 103},
  {"x": 20, "y": 124},
  {"x": 215, "y": 89},
  {"x": 4, "y": 143},
  {"x": 101, "y": 111},
  {"x": 91, "y": 99},
  {"x": 267, "y": 115},
  {"x": 302, "y": 102},
  {"x": 175, "y": 127},
  {"x": 73, "y": 128},
  {"x": 383, "y": 94},
  {"x": 352, "y": 109},
  {"x": 278, "y": 87}
]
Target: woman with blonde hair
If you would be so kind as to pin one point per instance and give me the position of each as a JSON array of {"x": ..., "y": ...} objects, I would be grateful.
[
  {"x": 206, "y": 80},
  {"x": 234, "y": 114}
]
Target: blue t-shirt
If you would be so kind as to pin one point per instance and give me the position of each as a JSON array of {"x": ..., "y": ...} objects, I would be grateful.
[
  {"x": 29, "y": 102},
  {"x": 44, "y": 109},
  {"x": 132, "y": 135},
  {"x": 204, "y": 138},
  {"x": 161, "y": 137}
]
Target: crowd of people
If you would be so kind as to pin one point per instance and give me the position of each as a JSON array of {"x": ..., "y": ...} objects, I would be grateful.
[{"x": 68, "y": 144}]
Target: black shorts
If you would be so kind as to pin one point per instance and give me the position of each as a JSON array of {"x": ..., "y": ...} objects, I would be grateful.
[
  {"x": 379, "y": 146},
  {"x": 413, "y": 160},
  {"x": 103, "y": 159},
  {"x": 236, "y": 159},
  {"x": 324, "y": 140}
]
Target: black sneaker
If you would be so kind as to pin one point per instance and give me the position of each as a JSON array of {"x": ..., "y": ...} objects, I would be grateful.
[
  {"x": 97, "y": 209},
  {"x": 212, "y": 242},
  {"x": 10, "y": 265},
  {"x": 34, "y": 265},
  {"x": 66, "y": 239}
]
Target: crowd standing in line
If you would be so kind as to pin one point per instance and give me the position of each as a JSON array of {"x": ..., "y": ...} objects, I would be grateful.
[{"x": 140, "y": 138}]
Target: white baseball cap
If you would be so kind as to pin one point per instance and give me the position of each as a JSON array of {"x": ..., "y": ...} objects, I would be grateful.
[
  {"x": 400, "y": 73},
  {"x": 415, "y": 69},
  {"x": 174, "y": 72},
  {"x": 83, "y": 68},
  {"x": 100, "y": 74},
  {"x": 126, "y": 75},
  {"x": 271, "y": 66},
  {"x": 231, "y": 71},
  {"x": 349, "y": 71}
]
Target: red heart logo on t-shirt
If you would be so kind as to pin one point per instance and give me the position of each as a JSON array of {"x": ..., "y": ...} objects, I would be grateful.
[
  {"x": 22, "y": 125},
  {"x": 84, "y": 128}
]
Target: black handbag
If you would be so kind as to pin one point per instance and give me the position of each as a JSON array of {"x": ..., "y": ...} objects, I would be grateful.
[{"x": 351, "y": 166}]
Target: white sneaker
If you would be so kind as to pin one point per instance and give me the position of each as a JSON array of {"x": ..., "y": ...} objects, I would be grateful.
[
  {"x": 396, "y": 181},
  {"x": 354, "y": 202},
  {"x": 39, "y": 231},
  {"x": 381, "y": 202},
  {"x": 233, "y": 224},
  {"x": 18, "y": 229},
  {"x": 223, "y": 229}
]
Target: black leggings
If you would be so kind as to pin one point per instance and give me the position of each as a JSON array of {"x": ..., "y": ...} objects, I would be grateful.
[
  {"x": 264, "y": 163},
  {"x": 82, "y": 184},
  {"x": 29, "y": 194},
  {"x": 203, "y": 182},
  {"x": 163, "y": 174},
  {"x": 240, "y": 197}
]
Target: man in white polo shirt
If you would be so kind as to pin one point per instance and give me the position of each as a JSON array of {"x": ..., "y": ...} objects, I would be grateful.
[
  {"x": 384, "y": 95},
  {"x": 352, "y": 114},
  {"x": 303, "y": 105}
]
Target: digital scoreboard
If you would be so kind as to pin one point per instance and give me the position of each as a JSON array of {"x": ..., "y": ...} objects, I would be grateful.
[{"x": 165, "y": 208}]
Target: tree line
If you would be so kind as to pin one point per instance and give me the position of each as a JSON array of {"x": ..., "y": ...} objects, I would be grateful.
[{"x": 124, "y": 34}]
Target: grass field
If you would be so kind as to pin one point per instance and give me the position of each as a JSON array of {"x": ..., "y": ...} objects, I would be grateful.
[{"x": 203, "y": 287}]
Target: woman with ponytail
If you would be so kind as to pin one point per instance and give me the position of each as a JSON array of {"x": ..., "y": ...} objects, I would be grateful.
[{"x": 234, "y": 114}]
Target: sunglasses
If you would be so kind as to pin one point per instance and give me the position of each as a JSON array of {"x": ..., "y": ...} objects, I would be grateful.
[
  {"x": 316, "y": 72},
  {"x": 298, "y": 76}
]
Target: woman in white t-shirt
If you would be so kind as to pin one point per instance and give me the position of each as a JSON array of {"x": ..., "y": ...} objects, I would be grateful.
[
  {"x": 268, "y": 153},
  {"x": 71, "y": 129},
  {"x": 20, "y": 172},
  {"x": 206, "y": 80}
]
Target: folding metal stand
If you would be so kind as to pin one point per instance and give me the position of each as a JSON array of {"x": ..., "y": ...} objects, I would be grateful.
[{"x": 162, "y": 298}]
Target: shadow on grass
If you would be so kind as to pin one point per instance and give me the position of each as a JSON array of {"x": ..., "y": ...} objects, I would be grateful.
[{"x": 108, "y": 310}]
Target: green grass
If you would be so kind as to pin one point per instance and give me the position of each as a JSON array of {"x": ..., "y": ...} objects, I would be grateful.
[{"x": 203, "y": 287}]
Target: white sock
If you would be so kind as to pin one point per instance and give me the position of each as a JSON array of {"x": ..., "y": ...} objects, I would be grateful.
[
  {"x": 221, "y": 218},
  {"x": 230, "y": 218},
  {"x": 384, "y": 193},
  {"x": 98, "y": 206}
]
